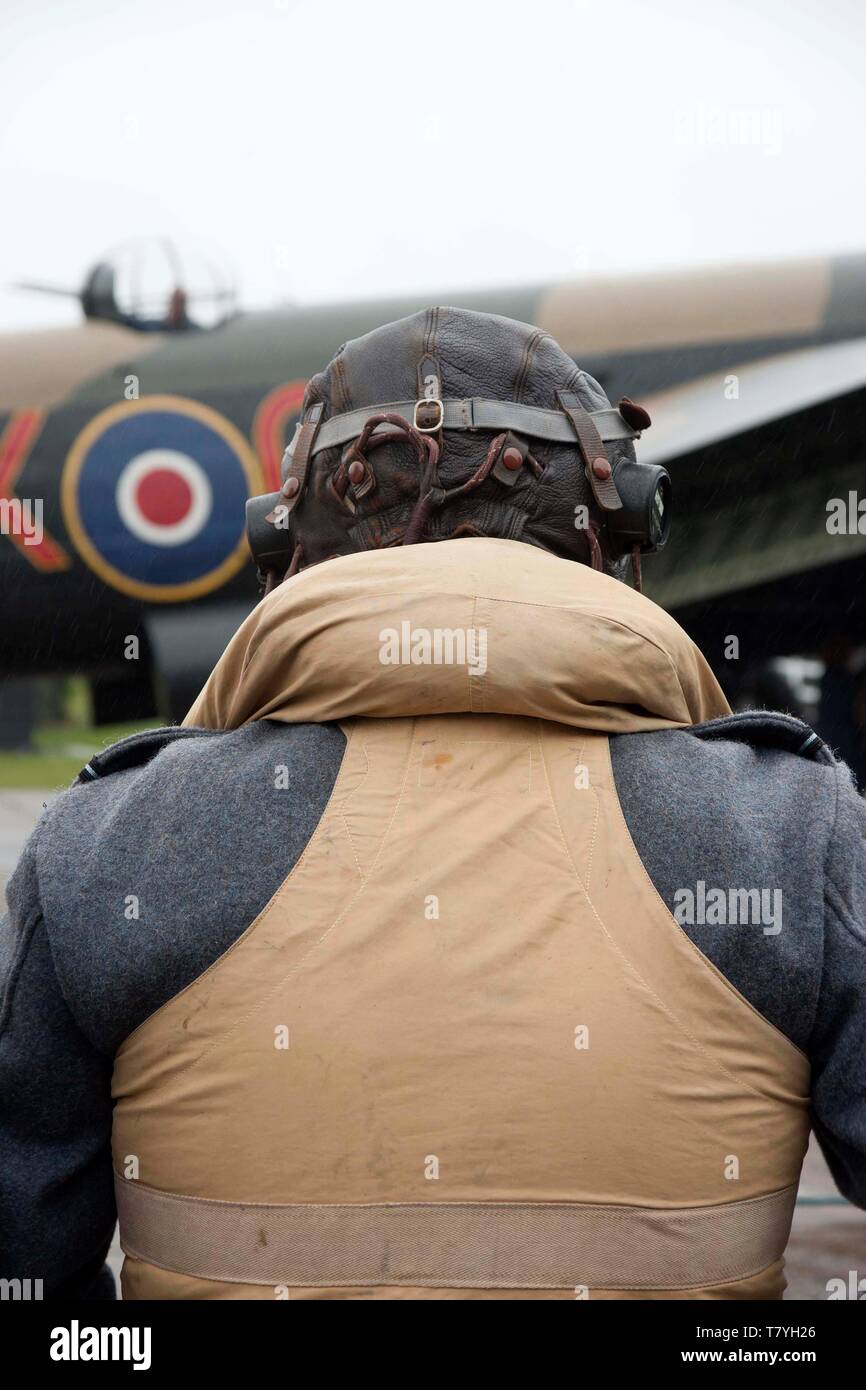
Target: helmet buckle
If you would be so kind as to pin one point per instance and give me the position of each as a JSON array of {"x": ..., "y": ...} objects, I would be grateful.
[{"x": 429, "y": 415}]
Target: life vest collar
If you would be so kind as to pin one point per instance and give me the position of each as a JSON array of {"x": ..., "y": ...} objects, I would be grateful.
[{"x": 474, "y": 625}]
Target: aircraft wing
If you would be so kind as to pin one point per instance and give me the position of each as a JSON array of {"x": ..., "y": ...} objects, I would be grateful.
[
  {"x": 701, "y": 412},
  {"x": 755, "y": 477}
]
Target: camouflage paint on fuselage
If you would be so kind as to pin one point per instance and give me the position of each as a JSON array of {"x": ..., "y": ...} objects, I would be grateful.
[{"x": 67, "y": 606}]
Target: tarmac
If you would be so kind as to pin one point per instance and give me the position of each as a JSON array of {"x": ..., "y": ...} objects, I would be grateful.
[{"x": 828, "y": 1238}]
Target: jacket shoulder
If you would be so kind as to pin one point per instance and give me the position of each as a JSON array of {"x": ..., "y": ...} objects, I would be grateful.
[
  {"x": 767, "y": 729},
  {"x": 753, "y": 798},
  {"x": 192, "y": 830},
  {"x": 136, "y": 751}
]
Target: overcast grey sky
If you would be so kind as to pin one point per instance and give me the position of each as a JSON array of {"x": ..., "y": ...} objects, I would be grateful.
[{"x": 345, "y": 150}]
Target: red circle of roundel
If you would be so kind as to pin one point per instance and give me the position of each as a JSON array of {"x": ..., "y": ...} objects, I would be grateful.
[{"x": 163, "y": 497}]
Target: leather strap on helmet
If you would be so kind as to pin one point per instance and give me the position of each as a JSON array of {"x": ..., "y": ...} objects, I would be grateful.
[
  {"x": 596, "y": 463},
  {"x": 472, "y": 413},
  {"x": 299, "y": 456}
]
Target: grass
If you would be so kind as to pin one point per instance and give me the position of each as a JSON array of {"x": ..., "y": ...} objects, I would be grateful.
[{"x": 59, "y": 753}]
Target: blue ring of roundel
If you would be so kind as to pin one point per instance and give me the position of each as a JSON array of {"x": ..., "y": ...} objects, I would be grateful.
[{"x": 109, "y": 534}]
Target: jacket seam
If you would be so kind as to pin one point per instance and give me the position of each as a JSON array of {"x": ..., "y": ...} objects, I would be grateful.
[
  {"x": 330, "y": 805},
  {"x": 103, "y": 1052},
  {"x": 22, "y": 947},
  {"x": 701, "y": 955},
  {"x": 678, "y": 1023},
  {"x": 338, "y": 792},
  {"x": 838, "y": 908}
]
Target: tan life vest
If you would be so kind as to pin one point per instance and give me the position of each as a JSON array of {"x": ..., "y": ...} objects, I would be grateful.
[{"x": 465, "y": 1051}]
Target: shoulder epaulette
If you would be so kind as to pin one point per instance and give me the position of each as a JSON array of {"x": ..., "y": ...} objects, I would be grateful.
[
  {"x": 134, "y": 751},
  {"x": 768, "y": 729}
]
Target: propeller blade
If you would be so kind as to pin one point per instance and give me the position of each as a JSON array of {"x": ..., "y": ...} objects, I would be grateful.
[{"x": 37, "y": 287}]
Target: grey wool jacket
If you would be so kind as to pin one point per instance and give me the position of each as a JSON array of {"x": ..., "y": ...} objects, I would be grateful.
[{"x": 193, "y": 827}]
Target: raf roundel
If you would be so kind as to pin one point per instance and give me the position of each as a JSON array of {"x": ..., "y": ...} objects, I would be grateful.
[{"x": 153, "y": 497}]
